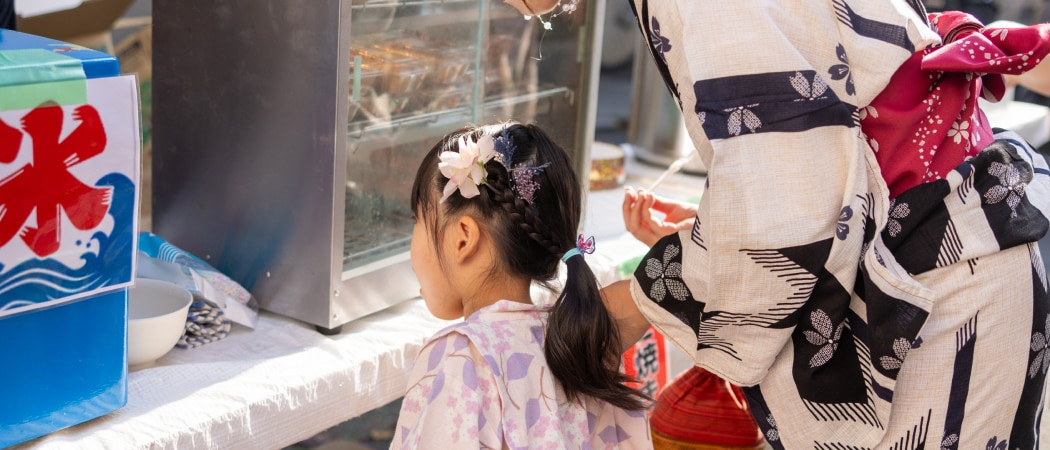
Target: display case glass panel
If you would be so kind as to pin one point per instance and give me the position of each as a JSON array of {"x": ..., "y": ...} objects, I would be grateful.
[{"x": 421, "y": 69}]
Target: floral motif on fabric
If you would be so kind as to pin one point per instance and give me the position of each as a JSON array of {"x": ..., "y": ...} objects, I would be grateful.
[
  {"x": 898, "y": 212},
  {"x": 868, "y": 111},
  {"x": 660, "y": 44},
  {"x": 1041, "y": 348},
  {"x": 901, "y": 347},
  {"x": 773, "y": 434},
  {"x": 842, "y": 228},
  {"x": 484, "y": 382},
  {"x": 826, "y": 336},
  {"x": 1011, "y": 187},
  {"x": 995, "y": 444},
  {"x": 742, "y": 115},
  {"x": 950, "y": 441},
  {"x": 840, "y": 71},
  {"x": 809, "y": 90},
  {"x": 666, "y": 274}
]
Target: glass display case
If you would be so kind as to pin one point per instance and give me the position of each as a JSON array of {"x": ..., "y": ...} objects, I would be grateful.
[{"x": 287, "y": 133}]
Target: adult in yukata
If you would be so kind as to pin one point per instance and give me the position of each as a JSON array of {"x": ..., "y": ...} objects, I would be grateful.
[{"x": 863, "y": 259}]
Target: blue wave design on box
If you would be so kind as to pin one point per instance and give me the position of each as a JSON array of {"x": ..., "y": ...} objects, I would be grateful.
[{"x": 41, "y": 280}]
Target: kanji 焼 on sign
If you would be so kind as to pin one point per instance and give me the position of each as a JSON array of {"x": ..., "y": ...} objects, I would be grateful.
[
  {"x": 647, "y": 363},
  {"x": 69, "y": 173}
]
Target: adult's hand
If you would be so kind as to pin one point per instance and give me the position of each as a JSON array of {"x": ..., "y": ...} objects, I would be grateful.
[
  {"x": 533, "y": 7},
  {"x": 641, "y": 211}
]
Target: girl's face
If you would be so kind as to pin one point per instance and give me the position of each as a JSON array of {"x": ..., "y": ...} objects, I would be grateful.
[
  {"x": 434, "y": 285},
  {"x": 532, "y": 7}
]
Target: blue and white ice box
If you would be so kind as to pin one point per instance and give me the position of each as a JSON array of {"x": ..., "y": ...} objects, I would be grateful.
[{"x": 69, "y": 175}]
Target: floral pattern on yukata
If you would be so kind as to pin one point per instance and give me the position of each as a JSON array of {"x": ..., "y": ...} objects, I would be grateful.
[
  {"x": 485, "y": 382},
  {"x": 660, "y": 44}
]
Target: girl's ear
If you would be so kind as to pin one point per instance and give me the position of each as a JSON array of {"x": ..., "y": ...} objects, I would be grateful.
[{"x": 465, "y": 239}]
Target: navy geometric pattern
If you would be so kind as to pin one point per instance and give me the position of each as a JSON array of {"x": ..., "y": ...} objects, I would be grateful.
[{"x": 775, "y": 102}]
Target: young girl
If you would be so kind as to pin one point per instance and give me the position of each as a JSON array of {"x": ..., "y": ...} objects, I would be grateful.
[{"x": 497, "y": 208}]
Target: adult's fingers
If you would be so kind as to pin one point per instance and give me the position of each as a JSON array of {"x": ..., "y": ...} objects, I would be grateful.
[{"x": 630, "y": 203}]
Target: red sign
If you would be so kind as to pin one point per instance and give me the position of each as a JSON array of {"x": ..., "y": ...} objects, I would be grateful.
[{"x": 647, "y": 362}]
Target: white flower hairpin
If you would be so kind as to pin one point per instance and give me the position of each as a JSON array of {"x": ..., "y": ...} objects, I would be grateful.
[{"x": 465, "y": 169}]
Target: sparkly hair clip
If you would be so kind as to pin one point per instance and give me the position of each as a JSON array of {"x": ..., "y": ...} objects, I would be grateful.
[{"x": 523, "y": 181}]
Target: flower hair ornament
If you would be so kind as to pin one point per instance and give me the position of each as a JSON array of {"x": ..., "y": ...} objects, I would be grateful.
[
  {"x": 465, "y": 169},
  {"x": 583, "y": 246},
  {"x": 466, "y": 172}
]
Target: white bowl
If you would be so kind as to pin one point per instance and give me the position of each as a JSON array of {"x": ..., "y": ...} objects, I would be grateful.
[{"x": 156, "y": 319}]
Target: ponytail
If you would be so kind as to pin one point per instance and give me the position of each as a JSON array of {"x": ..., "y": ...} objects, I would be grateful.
[{"x": 582, "y": 346}]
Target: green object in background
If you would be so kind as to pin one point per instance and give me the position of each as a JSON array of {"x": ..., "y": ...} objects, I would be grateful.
[{"x": 628, "y": 267}]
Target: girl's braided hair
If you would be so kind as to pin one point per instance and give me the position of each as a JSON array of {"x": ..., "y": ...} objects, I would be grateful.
[{"x": 582, "y": 344}]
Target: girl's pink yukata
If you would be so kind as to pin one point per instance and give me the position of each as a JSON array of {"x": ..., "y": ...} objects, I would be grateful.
[{"x": 484, "y": 382}]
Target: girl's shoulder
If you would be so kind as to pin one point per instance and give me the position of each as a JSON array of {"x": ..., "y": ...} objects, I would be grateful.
[
  {"x": 501, "y": 321},
  {"x": 498, "y": 332}
]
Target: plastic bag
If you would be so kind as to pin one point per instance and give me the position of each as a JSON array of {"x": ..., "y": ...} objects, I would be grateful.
[{"x": 159, "y": 259}]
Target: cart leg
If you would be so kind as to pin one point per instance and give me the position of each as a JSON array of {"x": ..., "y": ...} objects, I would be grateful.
[{"x": 329, "y": 331}]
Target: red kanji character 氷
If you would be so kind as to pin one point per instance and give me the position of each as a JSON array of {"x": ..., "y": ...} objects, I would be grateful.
[{"x": 45, "y": 184}]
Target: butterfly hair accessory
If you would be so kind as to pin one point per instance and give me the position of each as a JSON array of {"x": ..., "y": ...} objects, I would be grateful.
[{"x": 583, "y": 246}]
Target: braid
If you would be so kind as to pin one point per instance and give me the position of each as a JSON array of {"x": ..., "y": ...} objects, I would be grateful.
[{"x": 520, "y": 211}]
